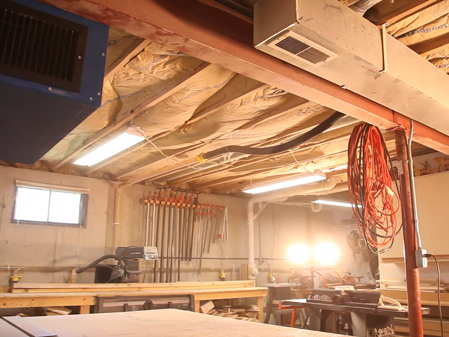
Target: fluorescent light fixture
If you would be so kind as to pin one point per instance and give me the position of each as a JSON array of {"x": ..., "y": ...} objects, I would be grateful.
[
  {"x": 114, "y": 146},
  {"x": 334, "y": 203},
  {"x": 285, "y": 184}
]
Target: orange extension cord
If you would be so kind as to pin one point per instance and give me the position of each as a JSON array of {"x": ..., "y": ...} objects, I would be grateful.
[{"x": 371, "y": 188}]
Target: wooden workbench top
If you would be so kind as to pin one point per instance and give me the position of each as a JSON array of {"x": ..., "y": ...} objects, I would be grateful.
[
  {"x": 146, "y": 292},
  {"x": 167, "y": 323}
]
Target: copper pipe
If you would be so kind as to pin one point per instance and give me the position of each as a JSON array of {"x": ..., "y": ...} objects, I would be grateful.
[{"x": 410, "y": 245}]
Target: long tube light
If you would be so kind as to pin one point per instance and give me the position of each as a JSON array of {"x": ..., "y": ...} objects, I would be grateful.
[
  {"x": 114, "y": 146},
  {"x": 334, "y": 203},
  {"x": 285, "y": 184}
]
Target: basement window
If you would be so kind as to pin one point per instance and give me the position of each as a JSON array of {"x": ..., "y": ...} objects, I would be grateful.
[{"x": 43, "y": 204}]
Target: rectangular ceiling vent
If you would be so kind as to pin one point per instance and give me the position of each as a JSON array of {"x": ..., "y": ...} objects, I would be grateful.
[
  {"x": 304, "y": 49},
  {"x": 40, "y": 47},
  {"x": 333, "y": 42}
]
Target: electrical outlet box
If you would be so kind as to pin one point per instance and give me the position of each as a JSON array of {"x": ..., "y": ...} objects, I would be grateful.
[{"x": 421, "y": 260}]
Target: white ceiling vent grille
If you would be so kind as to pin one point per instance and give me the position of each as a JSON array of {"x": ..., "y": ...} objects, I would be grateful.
[{"x": 302, "y": 48}]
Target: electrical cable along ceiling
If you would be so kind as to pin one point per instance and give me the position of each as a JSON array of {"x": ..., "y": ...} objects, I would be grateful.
[{"x": 182, "y": 107}]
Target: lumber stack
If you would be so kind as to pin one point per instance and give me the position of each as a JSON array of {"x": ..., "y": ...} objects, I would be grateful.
[{"x": 241, "y": 312}]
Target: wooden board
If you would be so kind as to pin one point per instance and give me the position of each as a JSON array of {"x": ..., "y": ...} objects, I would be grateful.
[
  {"x": 167, "y": 323},
  {"x": 45, "y": 300},
  {"x": 104, "y": 287}
]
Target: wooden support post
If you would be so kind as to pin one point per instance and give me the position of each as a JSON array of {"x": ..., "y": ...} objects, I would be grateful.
[
  {"x": 84, "y": 309},
  {"x": 260, "y": 305},
  {"x": 196, "y": 306},
  {"x": 410, "y": 245}
]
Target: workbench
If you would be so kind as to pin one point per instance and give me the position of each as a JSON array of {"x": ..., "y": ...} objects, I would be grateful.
[
  {"x": 363, "y": 317},
  {"x": 166, "y": 322},
  {"x": 86, "y": 299}
]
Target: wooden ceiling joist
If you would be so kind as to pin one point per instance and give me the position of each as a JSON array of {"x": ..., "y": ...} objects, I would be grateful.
[
  {"x": 200, "y": 115},
  {"x": 292, "y": 162},
  {"x": 393, "y": 11},
  {"x": 135, "y": 171},
  {"x": 133, "y": 49},
  {"x": 234, "y": 184},
  {"x": 220, "y": 38},
  {"x": 166, "y": 91},
  {"x": 250, "y": 160},
  {"x": 292, "y": 105},
  {"x": 431, "y": 46}
]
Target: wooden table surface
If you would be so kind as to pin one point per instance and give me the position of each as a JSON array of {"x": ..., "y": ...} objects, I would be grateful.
[{"x": 166, "y": 322}]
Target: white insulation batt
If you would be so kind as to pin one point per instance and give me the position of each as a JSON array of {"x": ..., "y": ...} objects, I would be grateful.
[
  {"x": 430, "y": 23},
  {"x": 254, "y": 118}
]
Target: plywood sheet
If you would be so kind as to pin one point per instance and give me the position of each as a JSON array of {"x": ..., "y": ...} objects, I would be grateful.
[
  {"x": 7, "y": 329},
  {"x": 167, "y": 323},
  {"x": 29, "y": 327}
]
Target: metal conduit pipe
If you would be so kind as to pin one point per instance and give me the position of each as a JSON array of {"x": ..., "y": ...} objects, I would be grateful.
[
  {"x": 116, "y": 218},
  {"x": 276, "y": 195}
]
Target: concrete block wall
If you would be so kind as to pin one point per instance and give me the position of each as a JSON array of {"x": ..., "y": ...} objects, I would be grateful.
[{"x": 48, "y": 252}]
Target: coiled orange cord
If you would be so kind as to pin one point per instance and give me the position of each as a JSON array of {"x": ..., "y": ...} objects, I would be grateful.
[{"x": 374, "y": 201}]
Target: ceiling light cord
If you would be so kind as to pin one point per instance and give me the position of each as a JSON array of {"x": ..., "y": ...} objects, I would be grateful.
[{"x": 263, "y": 151}]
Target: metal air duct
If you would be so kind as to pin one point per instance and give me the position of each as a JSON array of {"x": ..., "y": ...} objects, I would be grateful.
[{"x": 330, "y": 40}]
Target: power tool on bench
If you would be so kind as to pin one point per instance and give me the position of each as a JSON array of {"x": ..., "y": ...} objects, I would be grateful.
[{"x": 127, "y": 268}]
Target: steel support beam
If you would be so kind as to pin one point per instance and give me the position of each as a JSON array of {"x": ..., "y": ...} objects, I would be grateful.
[{"x": 221, "y": 38}]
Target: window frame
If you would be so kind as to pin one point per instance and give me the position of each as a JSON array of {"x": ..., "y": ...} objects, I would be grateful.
[{"x": 83, "y": 209}]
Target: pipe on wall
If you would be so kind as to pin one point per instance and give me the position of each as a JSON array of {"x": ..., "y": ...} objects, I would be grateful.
[
  {"x": 329, "y": 184},
  {"x": 116, "y": 220}
]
